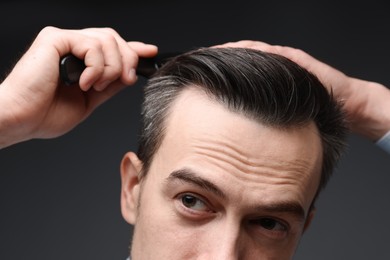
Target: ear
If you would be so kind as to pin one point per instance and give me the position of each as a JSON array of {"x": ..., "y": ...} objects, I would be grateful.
[
  {"x": 309, "y": 218},
  {"x": 131, "y": 168}
]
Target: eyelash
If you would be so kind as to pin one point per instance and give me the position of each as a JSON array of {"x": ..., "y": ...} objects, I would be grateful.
[
  {"x": 281, "y": 232},
  {"x": 259, "y": 223},
  {"x": 194, "y": 212}
]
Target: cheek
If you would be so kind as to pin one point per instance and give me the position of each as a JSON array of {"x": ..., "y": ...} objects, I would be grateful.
[{"x": 158, "y": 229}]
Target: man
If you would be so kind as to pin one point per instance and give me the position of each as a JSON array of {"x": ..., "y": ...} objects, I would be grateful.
[{"x": 236, "y": 144}]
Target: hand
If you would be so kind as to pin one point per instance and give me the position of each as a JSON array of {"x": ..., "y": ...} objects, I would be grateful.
[
  {"x": 367, "y": 104},
  {"x": 34, "y": 104}
]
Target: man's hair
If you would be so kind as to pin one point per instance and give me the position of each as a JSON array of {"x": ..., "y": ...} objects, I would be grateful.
[{"x": 265, "y": 87}]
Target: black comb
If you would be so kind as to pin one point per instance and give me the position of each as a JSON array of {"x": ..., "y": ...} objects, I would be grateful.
[{"x": 71, "y": 67}]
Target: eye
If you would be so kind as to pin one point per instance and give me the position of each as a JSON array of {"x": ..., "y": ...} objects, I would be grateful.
[
  {"x": 194, "y": 203},
  {"x": 271, "y": 224},
  {"x": 193, "y": 207},
  {"x": 271, "y": 227}
]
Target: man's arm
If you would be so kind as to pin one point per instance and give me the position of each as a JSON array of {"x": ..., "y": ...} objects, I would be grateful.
[
  {"x": 35, "y": 104},
  {"x": 366, "y": 103}
]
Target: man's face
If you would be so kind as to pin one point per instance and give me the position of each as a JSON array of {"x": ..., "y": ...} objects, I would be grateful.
[{"x": 222, "y": 186}]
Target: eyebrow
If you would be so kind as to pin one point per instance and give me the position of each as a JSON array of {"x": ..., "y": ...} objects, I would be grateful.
[
  {"x": 191, "y": 177},
  {"x": 290, "y": 207}
]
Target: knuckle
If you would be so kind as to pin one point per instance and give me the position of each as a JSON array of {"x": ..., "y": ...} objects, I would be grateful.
[
  {"x": 116, "y": 69},
  {"x": 98, "y": 68},
  {"x": 110, "y": 31},
  {"x": 48, "y": 31}
]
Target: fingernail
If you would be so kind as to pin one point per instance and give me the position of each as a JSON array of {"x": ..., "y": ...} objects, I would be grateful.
[
  {"x": 101, "y": 85},
  {"x": 132, "y": 74}
]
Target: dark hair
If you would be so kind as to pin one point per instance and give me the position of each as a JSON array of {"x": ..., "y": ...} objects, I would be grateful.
[{"x": 265, "y": 87}]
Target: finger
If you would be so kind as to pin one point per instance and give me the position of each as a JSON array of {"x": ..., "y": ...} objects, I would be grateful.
[
  {"x": 121, "y": 59},
  {"x": 296, "y": 55},
  {"x": 131, "y": 51},
  {"x": 112, "y": 67},
  {"x": 94, "y": 61},
  {"x": 82, "y": 46},
  {"x": 107, "y": 57},
  {"x": 128, "y": 58},
  {"x": 143, "y": 49},
  {"x": 96, "y": 98},
  {"x": 245, "y": 44},
  {"x": 112, "y": 52}
]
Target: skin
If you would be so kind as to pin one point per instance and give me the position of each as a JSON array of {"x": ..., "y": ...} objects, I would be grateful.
[
  {"x": 366, "y": 103},
  {"x": 38, "y": 105},
  {"x": 219, "y": 191}
]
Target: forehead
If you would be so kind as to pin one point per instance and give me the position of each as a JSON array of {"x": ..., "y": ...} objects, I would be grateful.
[{"x": 202, "y": 134}]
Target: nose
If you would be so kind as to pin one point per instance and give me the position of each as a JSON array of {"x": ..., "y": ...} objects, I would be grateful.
[{"x": 224, "y": 242}]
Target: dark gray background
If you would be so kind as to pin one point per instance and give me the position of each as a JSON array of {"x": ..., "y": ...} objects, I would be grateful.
[{"x": 59, "y": 198}]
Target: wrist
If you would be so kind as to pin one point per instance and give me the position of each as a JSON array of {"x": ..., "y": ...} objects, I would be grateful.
[
  {"x": 11, "y": 129},
  {"x": 371, "y": 117}
]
